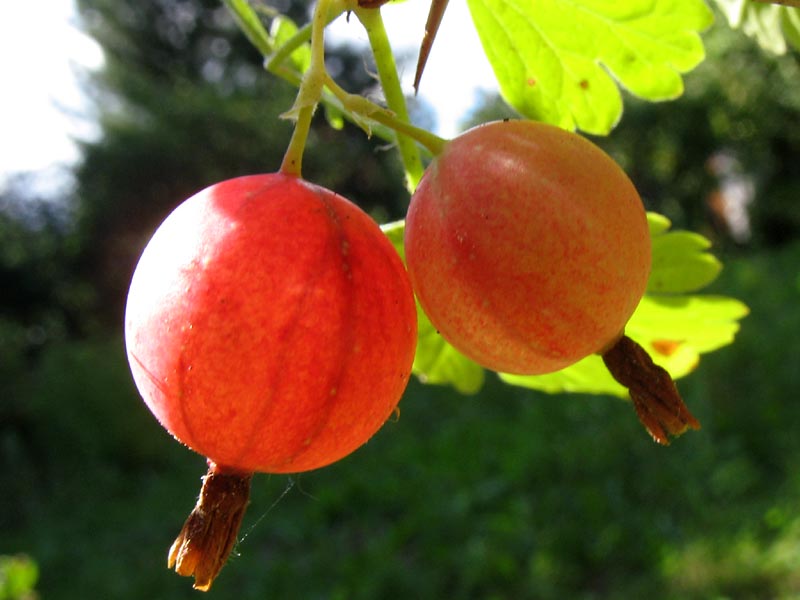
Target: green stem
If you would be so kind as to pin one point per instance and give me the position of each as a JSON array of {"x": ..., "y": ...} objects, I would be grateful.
[
  {"x": 359, "y": 105},
  {"x": 331, "y": 100},
  {"x": 388, "y": 123},
  {"x": 310, "y": 92},
  {"x": 393, "y": 92},
  {"x": 250, "y": 24},
  {"x": 300, "y": 37},
  {"x": 253, "y": 29},
  {"x": 285, "y": 51},
  {"x": 293, "y": 158}
]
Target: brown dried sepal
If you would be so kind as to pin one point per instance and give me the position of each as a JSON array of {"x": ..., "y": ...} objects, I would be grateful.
[
  {"x": 656, "y": 399},
  {"x": 209, "y": 533}
]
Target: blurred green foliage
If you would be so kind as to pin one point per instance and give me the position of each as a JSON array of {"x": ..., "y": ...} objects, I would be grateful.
[
  {"x": 18, "y": 575},
  {"x": 506, "y": 494}
]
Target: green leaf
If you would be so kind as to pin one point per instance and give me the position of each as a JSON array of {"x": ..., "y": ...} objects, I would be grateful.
[
  {"x": 588, "y": 376},
  {"x": 657, "y": 223},
  {"x": 681, "y": 262},
  {"x": 669, "y": 324},
  {"x": 283, "y": 30},
  {"x": 395, "y": 231},
  {"x": 436, "y": 361},
  {"x": 18, "y": 576},
  {"x": 790, "y": 20},
  {"x": 771, "y": 25},
  {"x": 557, "y": 60},
  {"x": 250, "y": 24},
  {"x": 334, "y": 116}
]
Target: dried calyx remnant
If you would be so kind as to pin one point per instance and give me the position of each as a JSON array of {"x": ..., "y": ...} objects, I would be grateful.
[
  {"x": 209, "y": 534},
  {"x": 656, "y": 399}
]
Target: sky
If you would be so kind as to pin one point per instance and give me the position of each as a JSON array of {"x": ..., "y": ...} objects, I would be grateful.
[
  {"x": 39, "y": 47},
  {"x": 456, "y": 70},
  {"x": 43, "y": 107}
]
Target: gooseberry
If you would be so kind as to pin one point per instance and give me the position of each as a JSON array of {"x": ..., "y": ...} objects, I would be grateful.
[
  {"x": 528, "y": 249},
  {"x": 270, "y": 326},
  {"x": 527, "y": 246}
]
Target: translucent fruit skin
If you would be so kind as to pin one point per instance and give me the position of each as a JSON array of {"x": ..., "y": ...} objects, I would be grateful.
[
  {"x": 527, "y": 246},
  {"x": 270, "y": 325}
]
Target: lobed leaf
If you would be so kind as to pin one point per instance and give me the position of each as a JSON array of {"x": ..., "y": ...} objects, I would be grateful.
[
  {"x": 657, "y": 223},
  {"x": 559, "y": 61},
  {"x": 589, "y": 376},
  {"x": 703, "y": 323},
  {"x": 681, "y": 262}
]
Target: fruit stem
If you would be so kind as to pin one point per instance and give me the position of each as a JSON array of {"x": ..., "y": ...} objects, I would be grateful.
[
  {"x": 209, "y": 533},
  {"x": 248, "y": 22},
  {"x": 372, "y": 21},
  {"x": 656, "y": 399},
  {"x": 355, "y": 108},
  {"x": 276, "y": 59},
  {"x": 251, "y": 26},
  {"x": 274, "y": 63},
  {"x": 361, "y": 106},
  {"x": 310, "y": 92}
]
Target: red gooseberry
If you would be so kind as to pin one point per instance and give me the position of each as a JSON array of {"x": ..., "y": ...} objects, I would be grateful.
[
  {"x": 527, "y": 246},
  {"x": 270, "y": 325}
]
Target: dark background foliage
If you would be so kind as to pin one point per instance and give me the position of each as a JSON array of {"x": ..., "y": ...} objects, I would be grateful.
[{"x": 506, "y": 494}]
